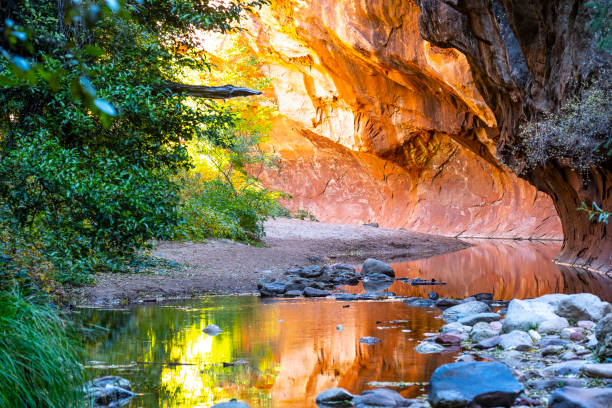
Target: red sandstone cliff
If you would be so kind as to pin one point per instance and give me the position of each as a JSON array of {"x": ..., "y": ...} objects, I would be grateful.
[{"x": 381, "y": 126}]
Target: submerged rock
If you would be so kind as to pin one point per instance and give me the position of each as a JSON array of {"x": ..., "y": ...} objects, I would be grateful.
[
  {"x": 428, "y": 347},
  {"x": 212, "y": 330},
  {"x": 473, "y": 383},
  {"x": 369, "y": 340},
  {"x": 572, "y": 397},
  {"x": 372, "y": 265}
]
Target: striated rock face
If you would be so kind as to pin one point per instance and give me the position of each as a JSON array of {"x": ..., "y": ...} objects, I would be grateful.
[
  {"x": 381, "y": 126},
  {"x": 527, "y": 58}
]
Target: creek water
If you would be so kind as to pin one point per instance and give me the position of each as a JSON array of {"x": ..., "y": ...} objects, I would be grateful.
[{"x": 282, "y": 353}]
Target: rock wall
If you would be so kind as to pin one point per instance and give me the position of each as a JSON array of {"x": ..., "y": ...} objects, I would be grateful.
[
  {"x": 381, "y": 126},
  {"x": 527, "y": 58}
]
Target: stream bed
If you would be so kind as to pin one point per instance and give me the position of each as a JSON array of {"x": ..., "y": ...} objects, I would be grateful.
[{"x": 283, "y": 352}]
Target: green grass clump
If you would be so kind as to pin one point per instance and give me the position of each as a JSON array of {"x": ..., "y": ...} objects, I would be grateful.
[{"x": 38, "y": 356}]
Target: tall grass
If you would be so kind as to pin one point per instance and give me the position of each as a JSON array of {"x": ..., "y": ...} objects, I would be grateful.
[{"x": 38, "y": 356}]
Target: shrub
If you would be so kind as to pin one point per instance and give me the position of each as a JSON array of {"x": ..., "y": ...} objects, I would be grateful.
[
  {"x": 580, "y": 132},
  {"x": 38, "y": 356}
]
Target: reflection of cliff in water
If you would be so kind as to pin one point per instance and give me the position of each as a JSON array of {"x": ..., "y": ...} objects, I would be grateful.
[
  {"x": 293, "y": 348},
  {"x": 508, "y": 269}
]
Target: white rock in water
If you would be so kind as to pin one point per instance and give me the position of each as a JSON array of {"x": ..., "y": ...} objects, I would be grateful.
[
  {"x": 212, "y": 330},
  {"x": 525, "y": 315}
]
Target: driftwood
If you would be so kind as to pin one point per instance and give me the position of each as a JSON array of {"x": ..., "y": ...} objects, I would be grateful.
[{"x": 212, "y": 92}]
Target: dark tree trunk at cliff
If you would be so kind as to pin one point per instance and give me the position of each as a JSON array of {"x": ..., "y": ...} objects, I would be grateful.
[{"x": 527, "y": 58}]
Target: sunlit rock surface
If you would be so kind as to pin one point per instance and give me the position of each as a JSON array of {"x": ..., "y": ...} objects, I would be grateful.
[{"x": 380, "y": 126}]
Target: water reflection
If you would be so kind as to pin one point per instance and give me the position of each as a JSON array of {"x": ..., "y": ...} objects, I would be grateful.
[
  {"x": 293, "y": 349},
  {"x": 508, "y": 269}
]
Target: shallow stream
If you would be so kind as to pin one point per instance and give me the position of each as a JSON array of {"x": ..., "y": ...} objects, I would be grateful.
[{"x": 282, "y": 353}]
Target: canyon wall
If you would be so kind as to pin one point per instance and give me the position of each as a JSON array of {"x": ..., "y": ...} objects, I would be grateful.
[
  {"x": 527, "y": 59},
  {"x": 379, "y": 125}
]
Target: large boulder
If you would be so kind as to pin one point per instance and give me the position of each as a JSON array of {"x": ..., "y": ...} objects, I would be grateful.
[
  {"x": 582, "y": 306},
  {"x": 525, "y": 315},
  {"x": 603, "y": 334},
  {"x": 552, "y": 299},
  {"x": 573, "y": 397},
  {"x": 371, "y": 266},
  {"x": 335, "y": 397},
  {"x": 455, "y": 313},
  {"x": 487, "y": 384}
]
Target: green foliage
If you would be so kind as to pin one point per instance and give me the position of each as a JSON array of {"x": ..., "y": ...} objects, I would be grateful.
[
  {"x": 213, "y": 208},
  {"x": 91, "y": 139},
  {"x": 38, "y": 356},
  {"x": 595, "y": 212},
  {"x": 580, "y": 132},
  {"x": 602, "y": 22}
]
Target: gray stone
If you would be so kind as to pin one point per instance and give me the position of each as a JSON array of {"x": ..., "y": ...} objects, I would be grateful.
[
  {"x": 335, "y": 397},
  {"x": 583, "y": 306},
  {"x": 381, "y": 397},
  {"x": 342, "y": 267},
  {"x": 313, "y": 292},
  {"x": 553, "y": 325},
  {"x": 603, "y": 334},
  {"x": 548, "y": 384},
  {"x": 212, "y": 330},
  {"x": 573, "y": 397},
  {"x": 345, "y": 296},
  {"x": 419, "y": 302},
  {"x": 483, "y": 296},
  {"x": 552, "y": 299},
  {"x": 485, "y": 384},
  {"x": 428, "y": 347},
  {"x": 455, "y": 313},
  {"x": 114, "y": 381},
  {"x": 233, "y": 403},
  {"x": 597, "y": 370},
  {"x": 516, "y": 340},
  {"x": 372, "y": 265},
  {"x": 109, "y": 391},
  {"x": 565, "y": 368},
  {"x": 552, "y": 341},
  {"x": 525, "y": 315},
  {"x": 551, "y": 350},
  {"x": 471, "y": 320},
  {"x": 273, "y": 289},
  {"x": 482, "y": 331},
  {"x": 455, "y": 327},
  {"x": 489, "y": 343},
  {"x": 446, "y": 302},
  {"x": 294, "y": 293},
  {"x": 369, "y": 340},
  {"x": 311, "y": 271}
]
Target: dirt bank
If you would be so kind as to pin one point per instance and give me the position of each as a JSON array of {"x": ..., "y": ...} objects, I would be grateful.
[{"x": 222, "y": 266}]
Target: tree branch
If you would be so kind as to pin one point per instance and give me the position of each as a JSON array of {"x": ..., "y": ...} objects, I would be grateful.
[{"x": 211, "y": 92}]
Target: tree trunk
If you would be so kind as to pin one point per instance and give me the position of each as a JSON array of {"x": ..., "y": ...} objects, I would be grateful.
[{"x": 211, "y": 92}]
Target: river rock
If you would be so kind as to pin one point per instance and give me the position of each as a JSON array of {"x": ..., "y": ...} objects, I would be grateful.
[
  {"x": 489, "y": 343},
  {"x": 552, "y": 299},
  {"x": 369, "y": 340},
  {"x": 381, "y": 397},
  {"x": 565, "y": 368},
  {"x": 471, "y": 320},
  {"x": 603, "y": 334},
  {"x": 484, "y": 296},
  {"x": 311, "y": 271},
  {"x": 548, "y": 384},
  {"x": 525, "y": 315},
  {"x": 597, "y": 370},
  {"x": 114, "y": 381},
  {"x": 109, "y": 391},
  {"x": 313, "y": 292},
  {"x": 516, "y": 340},
  {"x": 553, "y": 325},
  {"x": 583, "y": 306},
  {"x": 552, "y": 341},
  {"x": 487, "y": 384},
  {"x": 273, "y": 289},
  {"x": 372, "y": 265},
  {"x": 482, "y": 331},
  {"x": 449, "y": 339},
  {"x": 497, "y": 326},
  {"x": 455, "y": 327},
  {"x": 294, "y": 293},
  {"x": 551, "y": 350},
  {"x": 233, "y": 403},
  {"x": 586, "y": 324},
  {"x": 428, "y": 347},
  {"x": 419, "y": 302},
  {"x": 464, "y": 309},
  {"x": 335, "y": 397},
  {"x": 573, "y": 397},
  {"x": 212, "y": 330},
  {"x": 443, "y": 303}
]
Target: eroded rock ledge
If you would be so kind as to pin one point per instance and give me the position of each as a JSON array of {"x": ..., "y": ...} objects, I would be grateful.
[{"x": 380, "y": 125}]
